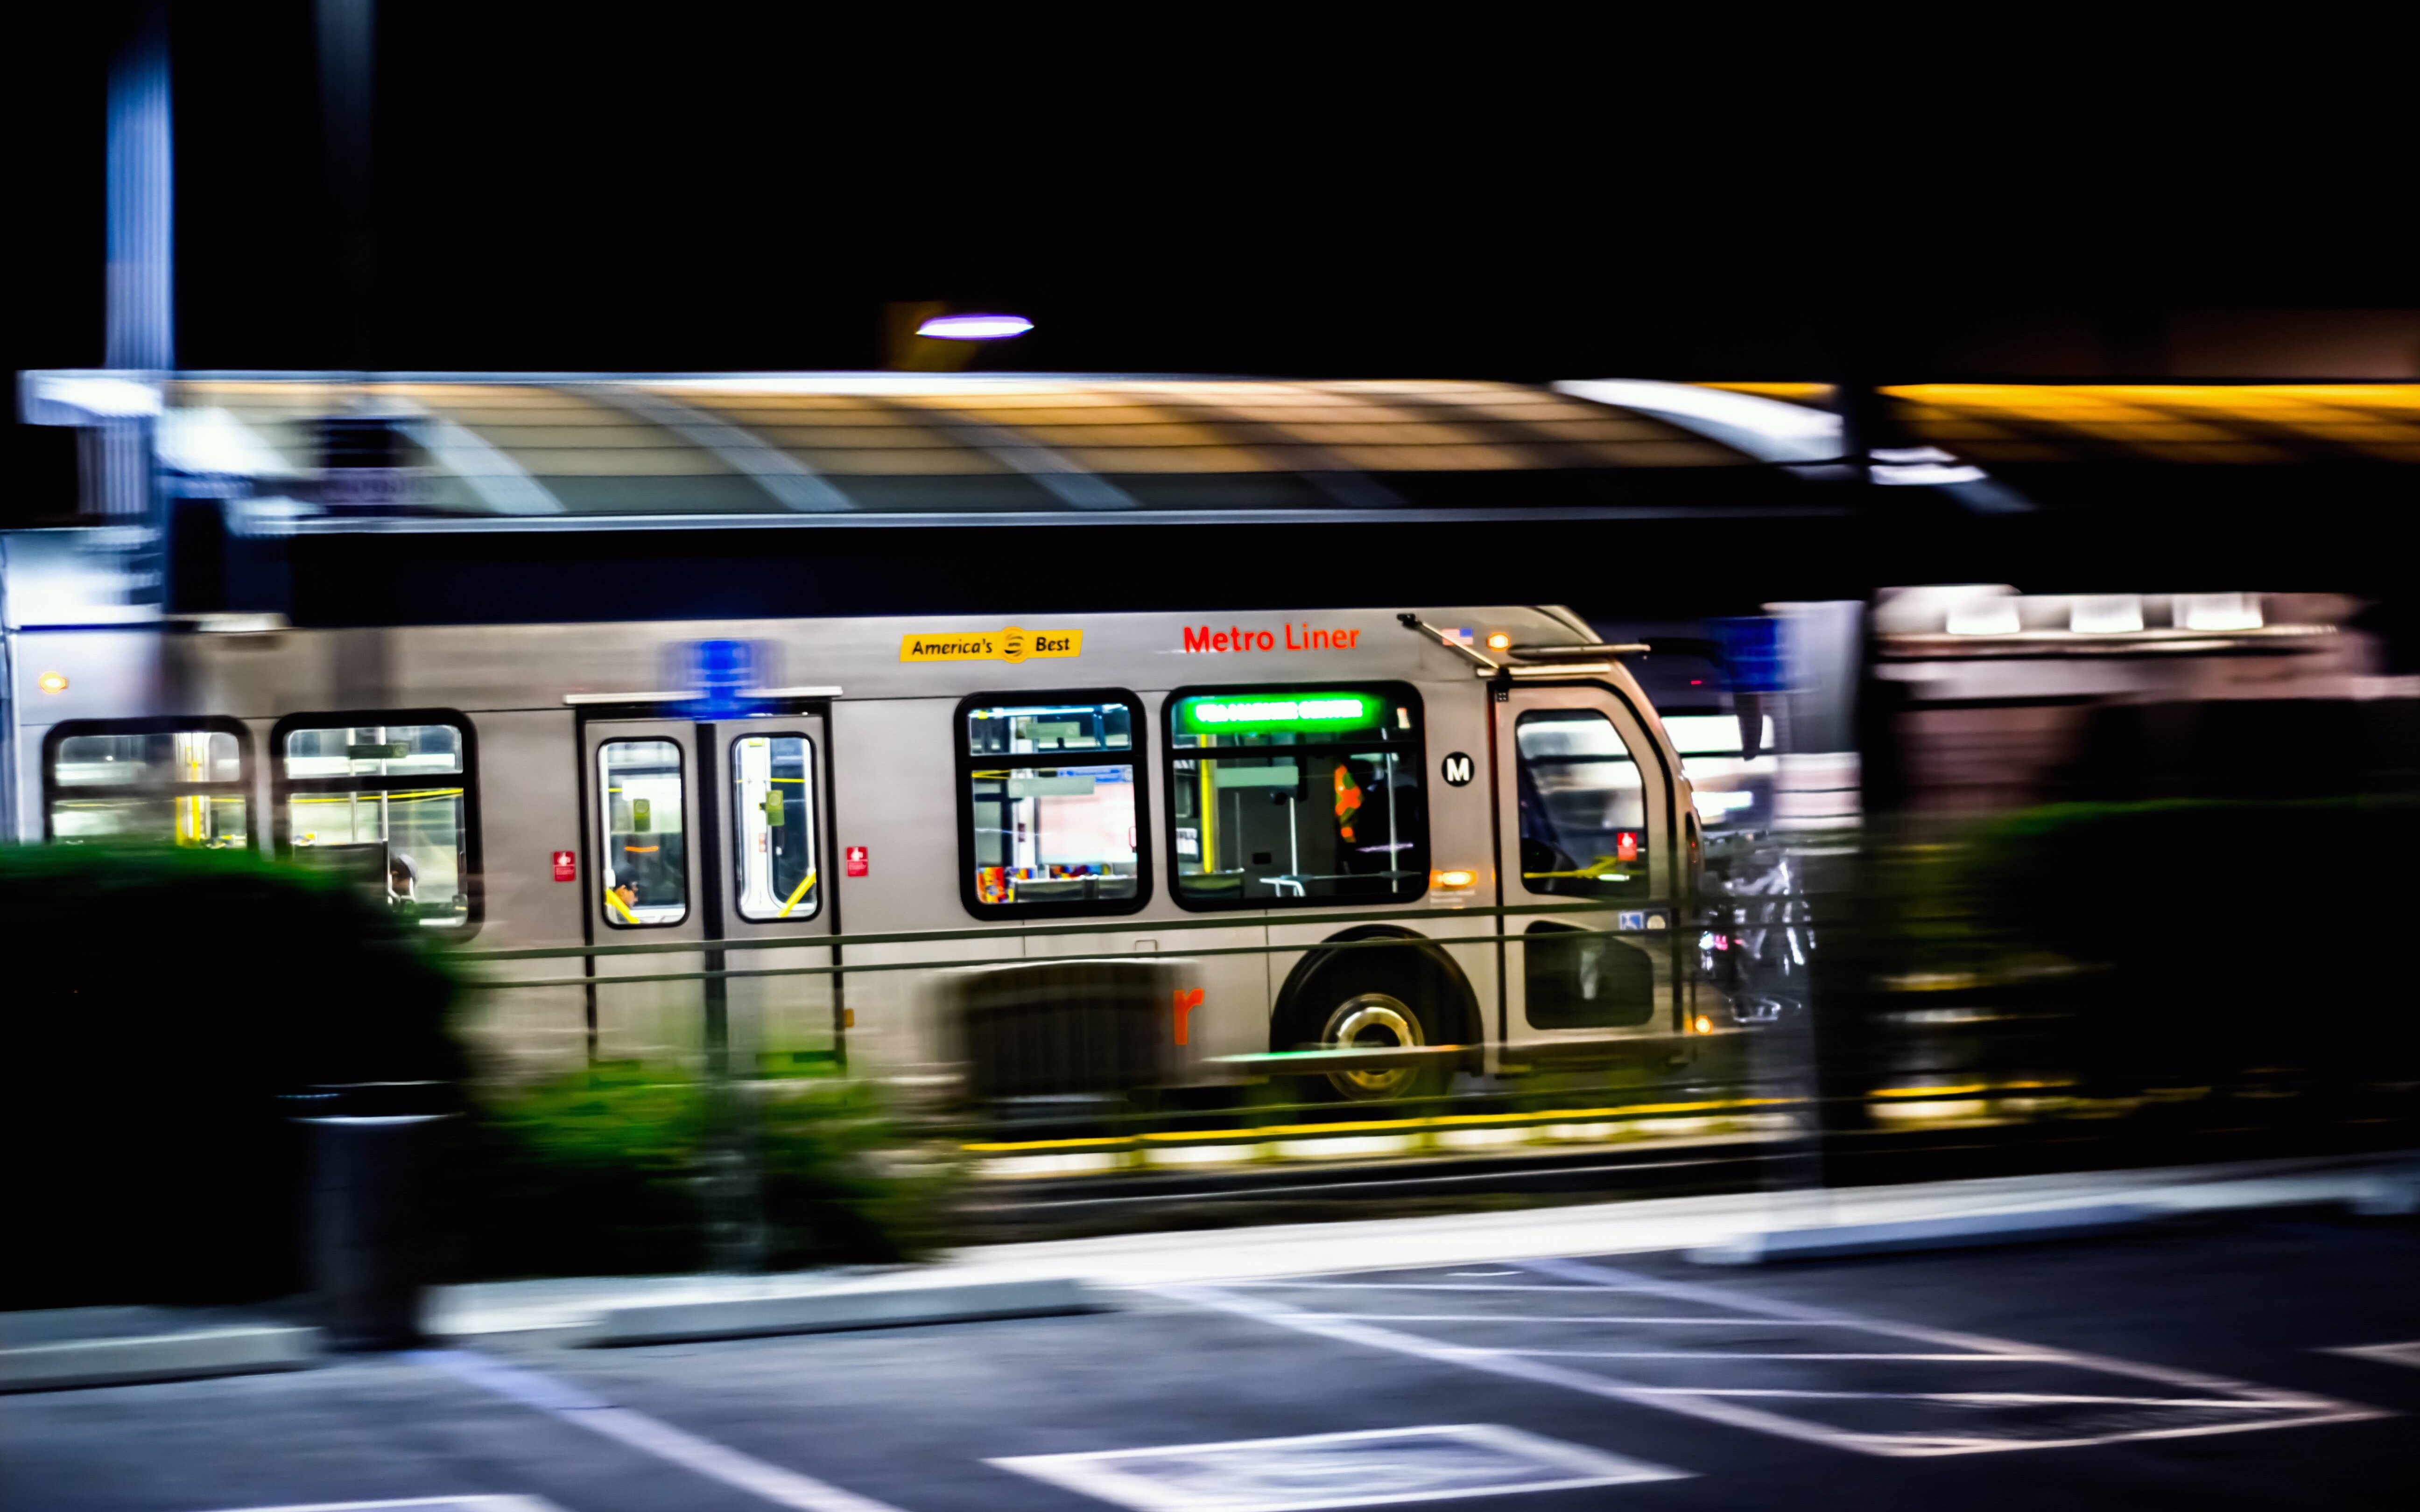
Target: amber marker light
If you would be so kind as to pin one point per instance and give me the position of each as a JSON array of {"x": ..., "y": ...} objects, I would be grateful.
[
  {"x": 1456, "y": 879},
  {"x": 1499, "y": 640},
  {"x": 1703, "y": 1025},
  {"x": 53, "y": 682}
]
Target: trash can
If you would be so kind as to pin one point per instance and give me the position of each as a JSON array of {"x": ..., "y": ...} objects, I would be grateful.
[{"x": 370, "y": 1150}]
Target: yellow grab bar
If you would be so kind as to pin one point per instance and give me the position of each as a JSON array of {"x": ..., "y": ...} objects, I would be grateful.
[
  {"x": 804, "y": 883},
  {"x": 619, "y": 907}
]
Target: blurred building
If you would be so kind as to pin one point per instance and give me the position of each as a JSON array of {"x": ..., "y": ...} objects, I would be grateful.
[{"x": 1985, "y": 699}]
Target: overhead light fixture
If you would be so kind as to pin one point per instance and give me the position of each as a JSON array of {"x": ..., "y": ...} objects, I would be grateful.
[
  {"x": 974, "y": 327},
  {"x": 2105, "y": 613},
  {"x": 2218, "y": 612},
  {"x": 1984, "y": 614}
]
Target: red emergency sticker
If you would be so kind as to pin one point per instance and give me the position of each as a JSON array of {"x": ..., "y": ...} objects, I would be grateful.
[
  {"x": 566, "y": 867},
  {"x": 858, "y": 860}
]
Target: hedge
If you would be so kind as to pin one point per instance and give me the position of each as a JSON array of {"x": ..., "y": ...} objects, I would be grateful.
[{"x": 162, "y": 1006}]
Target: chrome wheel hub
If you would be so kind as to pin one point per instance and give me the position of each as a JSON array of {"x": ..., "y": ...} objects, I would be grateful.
[{"x": 1372, "y": 1021}]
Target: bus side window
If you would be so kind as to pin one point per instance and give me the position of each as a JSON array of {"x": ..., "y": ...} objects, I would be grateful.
[
  {"x": 1583, "y": 807},
  {"x": 149, "y": 781},
  {"x": 773, "y": 818},
  {"x": 384, "y": 800},
  {"x": 1288, "y": 796},
  {"x": 1049, "y": 813},
  {"x": 645, "y": 870}
]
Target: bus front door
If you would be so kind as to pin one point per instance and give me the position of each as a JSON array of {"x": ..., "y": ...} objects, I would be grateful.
[{"x": 1587, "y": 828}]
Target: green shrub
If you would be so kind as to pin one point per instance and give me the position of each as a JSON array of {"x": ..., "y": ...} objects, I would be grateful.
[
  {"x": 161, "y": 1007},
  {"x": 612, "y": 1171}
]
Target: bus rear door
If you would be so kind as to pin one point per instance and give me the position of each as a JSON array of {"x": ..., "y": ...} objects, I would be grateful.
[{"x": 705, "y": 833}]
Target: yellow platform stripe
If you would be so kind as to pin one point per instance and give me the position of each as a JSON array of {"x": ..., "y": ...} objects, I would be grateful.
[{"x": 1450, "y": 1120}]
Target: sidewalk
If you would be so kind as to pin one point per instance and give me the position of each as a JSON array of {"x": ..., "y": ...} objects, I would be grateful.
[{"x": 1302, "y": 1249}]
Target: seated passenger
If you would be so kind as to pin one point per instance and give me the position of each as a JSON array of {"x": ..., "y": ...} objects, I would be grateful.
[{"x": 402, "y": 883}]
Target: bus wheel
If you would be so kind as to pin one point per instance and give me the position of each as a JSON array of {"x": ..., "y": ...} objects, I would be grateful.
[{"x": 1375, "y": 1021}]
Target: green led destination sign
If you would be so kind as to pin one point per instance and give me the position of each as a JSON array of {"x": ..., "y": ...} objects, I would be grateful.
[{"x": 1262, "y": 713}]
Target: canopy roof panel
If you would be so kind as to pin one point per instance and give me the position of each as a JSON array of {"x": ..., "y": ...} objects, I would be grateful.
[
  {"x": 2015, "y": 425},
  {"x": 854, "y": 445},
  {"x": 337, "y": 452}
]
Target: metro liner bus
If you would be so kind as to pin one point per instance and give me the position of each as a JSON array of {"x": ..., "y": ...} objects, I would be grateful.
[{"x": 1233, "y": 797}]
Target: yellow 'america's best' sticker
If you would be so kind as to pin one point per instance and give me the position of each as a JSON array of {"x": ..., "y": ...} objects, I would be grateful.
[{"x": 1012, "y": 644}]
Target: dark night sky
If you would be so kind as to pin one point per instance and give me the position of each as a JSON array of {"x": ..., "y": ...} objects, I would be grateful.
[{"x": 700, "y": 188}]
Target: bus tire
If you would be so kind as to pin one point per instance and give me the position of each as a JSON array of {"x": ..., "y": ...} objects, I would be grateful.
[{"x": 1375, "y": 998}]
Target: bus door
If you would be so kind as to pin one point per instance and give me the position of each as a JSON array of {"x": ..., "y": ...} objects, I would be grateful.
[
  {"x": 1586, "y": 804},
  {"x": 703, "y": 833},
  {"x": 775, "y": 885}
]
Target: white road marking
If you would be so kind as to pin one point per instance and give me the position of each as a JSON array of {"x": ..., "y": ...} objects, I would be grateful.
[
  {"x": 1519, "y": 1367},
  {"x": 1567, "y": 1319},
  {"x": 1795, "y": 1313},
  {"x": 1399, "y": 1285},
  {"x": 1966, "y": 1398},
  {"x": 1373, "y": 1467},
  {"x": 1731, "y": 1354},
  {"x": 2408, "y": 1354},
  {"x": 2271, "y": 1408},
  {"x": 444, "y": 1503},
  {"x": 2220, "y": 1394},
  {"x": 562, "y": 1400}
]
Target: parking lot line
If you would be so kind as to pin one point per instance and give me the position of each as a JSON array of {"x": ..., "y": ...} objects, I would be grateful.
[
  {"x": 2219, "y": 1386},
  {"x": 1734, "y": 1354},
  {"x": 1969, "y": 1398},
  {"x": 2193, "y": 1405},
  {"x": 1399, "y": 1285},
  {"x": 437, "y": 1504},
  {"x": 564, "y": 1401},
  {"x": 1567, "y": 1319},
  {"x": 1369, "y": 1467},
  {"x": 1504, "y": 1363}
]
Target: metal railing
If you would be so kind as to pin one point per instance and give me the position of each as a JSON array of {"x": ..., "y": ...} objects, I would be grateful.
[{"x": 1670, "y": 929}]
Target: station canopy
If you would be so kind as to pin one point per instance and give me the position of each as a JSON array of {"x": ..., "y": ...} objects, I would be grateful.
[
  {"x": 340, "y": 452},
  {"x": 327, "y": 452},
  {"x": 2202, "y": 425}
]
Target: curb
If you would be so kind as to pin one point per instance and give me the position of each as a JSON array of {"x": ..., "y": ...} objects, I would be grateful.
[
  {"x": 111, "y": 1361},
  {"x": 1840, "y": 1240},
  {"x": 836, "y": 1311}
]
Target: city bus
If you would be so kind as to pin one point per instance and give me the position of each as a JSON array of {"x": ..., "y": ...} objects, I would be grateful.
[{"x": 1240, "y": 799}]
